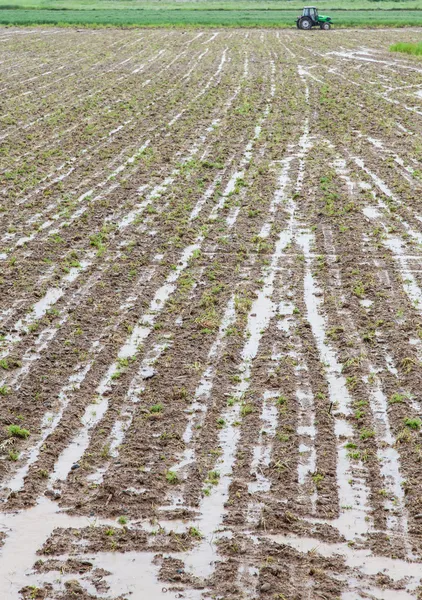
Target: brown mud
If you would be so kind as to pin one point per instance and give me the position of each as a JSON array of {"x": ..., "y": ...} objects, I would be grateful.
[{"x": 210, "y": 315}]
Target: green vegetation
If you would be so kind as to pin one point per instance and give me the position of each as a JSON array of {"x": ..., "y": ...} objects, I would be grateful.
[
  {"x": 17, "y": 431},
  {"x": 414, "y": 423},
  {"x": 365, "y": 434},
  {"x": 172, "y": 477},
  {"x": 407, "y": 48},
  {"x": 201, "y": 5},
  {"x": 211, "y": 13}
]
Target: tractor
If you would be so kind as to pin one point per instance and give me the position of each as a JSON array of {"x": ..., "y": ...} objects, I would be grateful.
[{"x": 310, "y": 18}]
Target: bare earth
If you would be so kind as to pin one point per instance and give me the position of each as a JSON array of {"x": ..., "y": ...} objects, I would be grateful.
[{"x": 210, "y": 315}]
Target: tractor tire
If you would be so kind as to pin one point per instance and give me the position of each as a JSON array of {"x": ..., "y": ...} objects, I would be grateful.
[
  {"x": 297, "y": 24},
  {"x": 326, "y": 26},
  {"x": 305, "y": 23}
]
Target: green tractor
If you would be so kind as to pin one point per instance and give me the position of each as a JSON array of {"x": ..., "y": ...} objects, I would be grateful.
[{"x": 310, "y": 18}]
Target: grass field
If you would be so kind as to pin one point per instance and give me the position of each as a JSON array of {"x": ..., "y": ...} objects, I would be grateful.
[
  {"x": 203, "y": 18},
  {"x": 358, "y": 13},
  {"x": 210, "y": 315},
  {"x": 201, "y": 5}
]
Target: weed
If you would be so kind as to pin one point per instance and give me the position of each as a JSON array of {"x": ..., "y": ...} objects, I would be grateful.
[
  {"x": 397, "y": 398},
  {"x": 246, "y": 409},
  {"x": 213, "y": 477},
  {"x": 13, "y": 455},
  {"x": 317, "y": 478},
  {"x": 122, "y": 520},
  {"x": 414, "y": 423},
  {"x": 366, "y": 434},
  {"x": 172, "y": 477},
  {"x": 194, "y": 532},
  {"x": 17, "y": 431},
  {"x": 359, "y": 289}
]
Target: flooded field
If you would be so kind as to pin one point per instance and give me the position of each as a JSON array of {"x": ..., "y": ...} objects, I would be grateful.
[{"x": 210, "y": 315}]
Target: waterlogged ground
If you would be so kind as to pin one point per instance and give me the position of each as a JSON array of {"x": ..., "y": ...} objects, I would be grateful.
[{"x": 211, "y": 315}]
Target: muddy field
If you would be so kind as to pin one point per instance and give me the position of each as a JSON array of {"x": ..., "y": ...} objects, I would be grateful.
[{"x": 210, "y": 315}]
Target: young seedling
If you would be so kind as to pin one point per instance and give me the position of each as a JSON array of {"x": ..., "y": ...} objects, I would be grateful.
[
  {"x": 194, "y": 532},
  {"x": 17, "y": 431},
  {"x": 414, "y": 423},
  {"x": 213, "y": 477},
  {"x": 365, "y": 434},
  {"x": 172, "y": 477}
]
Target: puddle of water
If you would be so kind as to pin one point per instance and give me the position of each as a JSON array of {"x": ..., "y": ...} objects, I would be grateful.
[
  {"x": 410, "y": 284},
  {"x": 375, "y": 593},
  {"x": 389, "y": 460},
  {"x": 307, "y": 432},
  {"x": 36, "y": 524},
  {"x": 26, "y": 532},
  {"x": 371, "y": 212},
  {"x": 364, "y": 560},
  {"x": 262, "y": 451},
  {"x": 366, "y": 303},
  {"x": 390, "y": 365},
  {"x": 132, "y": 573},
  {"x": 204, "y": 198},
  {"x": 282, "y": 184}
]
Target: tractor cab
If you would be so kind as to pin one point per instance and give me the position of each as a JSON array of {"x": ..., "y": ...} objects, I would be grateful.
[
  {"x": 310, "y": 18},
  {"x": 310, "y": 11}
]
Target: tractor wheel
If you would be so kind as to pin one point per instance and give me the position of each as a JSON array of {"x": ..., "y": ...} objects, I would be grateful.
[
  {"x": 297, "y": 24},
  {"x": 325, "y": 26},
  {"x": 305, "y": 23}
]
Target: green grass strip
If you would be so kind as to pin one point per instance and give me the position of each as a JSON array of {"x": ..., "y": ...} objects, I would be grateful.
[
  {"x": 199, "y": 18},
  {"x": 407, "y": 48}
]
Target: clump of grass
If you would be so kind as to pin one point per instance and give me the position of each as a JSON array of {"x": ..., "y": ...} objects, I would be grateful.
[
  {"x": 396, "y": 398},
  {"x": 365, "y": 434},
  {"x": 213, "y": 477},
  {"x": 318, "y": 478},
  {"x": 407, "y": 48},
  {"x": 414, "y": 423},
  {"x": 172, "y": 477},
  {"x": 156, "y": 408},
  {"x": 122, "y": 520},
  {"x": 194, "y": 532},
  {"x": 246, "y": 409},
  {"x": 17, "y": 431}
]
